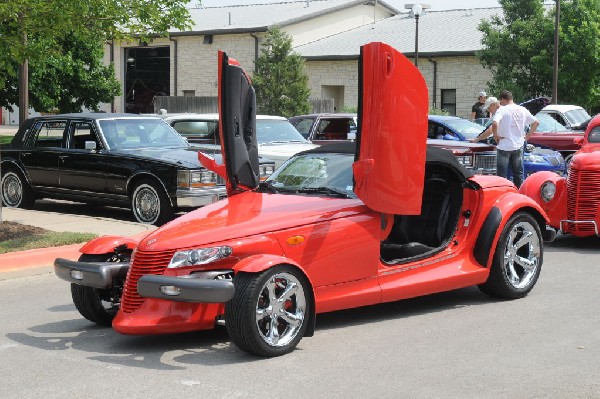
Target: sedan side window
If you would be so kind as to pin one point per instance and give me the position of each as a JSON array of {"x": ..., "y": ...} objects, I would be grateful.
[
  {"x": 48, "y": 134},
  {"x": 82, "y": 132}
]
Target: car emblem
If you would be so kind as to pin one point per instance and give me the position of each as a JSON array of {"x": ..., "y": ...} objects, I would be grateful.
[{"x": 150, "y": 242}]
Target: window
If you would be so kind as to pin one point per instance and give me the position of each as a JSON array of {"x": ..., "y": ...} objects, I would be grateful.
[
  {"x": 449, "y": 100},
  {"x": 82, "y": 132},
  {"x": 48, "y": 134},
  {"x": 189, "y": 93},
  {"x": 303, "y": 126},
  {"x": 198, "y": 131}
]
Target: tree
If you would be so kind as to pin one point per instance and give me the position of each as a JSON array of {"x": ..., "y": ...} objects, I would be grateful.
[
  {"x": 518, "y": 48},
  {"x": 33, "y": 30},
  {"x": 68, "y": 81},
  {"x": 280, "y": 81}
]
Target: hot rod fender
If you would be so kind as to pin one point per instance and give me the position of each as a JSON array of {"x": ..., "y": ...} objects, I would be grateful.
[
  {"x": 504, "y": 208},
  {"x": 260, "y": 263},
  {"x": 107, "y": 244},
  {"x": 556, "y": 208}
]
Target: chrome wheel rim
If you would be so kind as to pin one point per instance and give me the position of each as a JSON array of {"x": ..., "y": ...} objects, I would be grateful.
[
  {"x": 522, "y": 255},
  {"x": 280, "y": 309},
  {"x": 12, "y": 190},
  {"x": 146, "y": 204}
]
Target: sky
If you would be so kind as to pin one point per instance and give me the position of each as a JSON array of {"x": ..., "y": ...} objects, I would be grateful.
[{"x": 399, "y": 4}]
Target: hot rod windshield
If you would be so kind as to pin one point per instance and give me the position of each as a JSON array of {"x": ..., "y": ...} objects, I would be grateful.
[{"x": 318, "y": 173}]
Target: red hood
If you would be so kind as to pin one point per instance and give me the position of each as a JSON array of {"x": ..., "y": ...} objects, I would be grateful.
[{"x": 246, "y": 214}]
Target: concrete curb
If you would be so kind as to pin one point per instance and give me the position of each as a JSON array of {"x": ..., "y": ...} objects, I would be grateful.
[{"x": 35, "y": 258}]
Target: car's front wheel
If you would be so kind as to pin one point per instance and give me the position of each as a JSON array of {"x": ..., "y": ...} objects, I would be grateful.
[
  {"x": 269, "y": 312},
  {"x": 150, "y": 204},
  {"x": 99, "y": 306},
  {"x": 16, "y": 192},
  {"x": 518, "y": 259}
]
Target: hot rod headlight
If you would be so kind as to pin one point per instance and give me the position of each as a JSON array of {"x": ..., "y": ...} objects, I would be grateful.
[
  {"x": 199, "y": 256},
  {"x": 548, "y": 191}
]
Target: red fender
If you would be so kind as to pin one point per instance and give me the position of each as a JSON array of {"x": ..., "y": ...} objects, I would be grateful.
[
  {"x": 107, "y": 244},
  {"x": 260, "y": 263},
  {"x": 556, "y": 208}
]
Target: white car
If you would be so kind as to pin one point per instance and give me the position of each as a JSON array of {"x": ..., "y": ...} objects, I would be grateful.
[
  {"x": 277, "y": 138},
  {"x": 571, "y": 116}
]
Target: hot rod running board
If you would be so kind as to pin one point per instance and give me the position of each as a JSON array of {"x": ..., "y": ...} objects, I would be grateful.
[{"x": 203, "y": 287}]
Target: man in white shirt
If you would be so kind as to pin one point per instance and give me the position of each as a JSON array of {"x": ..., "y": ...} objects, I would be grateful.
[{"x": 508, "y": 129}]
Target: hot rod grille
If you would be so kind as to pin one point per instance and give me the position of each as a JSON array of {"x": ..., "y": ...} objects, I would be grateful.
[
  {"x": 143, "y": 263},
  {"x": 583, "y": 198}
]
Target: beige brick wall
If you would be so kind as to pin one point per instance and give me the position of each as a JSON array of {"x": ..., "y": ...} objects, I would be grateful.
[{"x": 464, "y": 74}]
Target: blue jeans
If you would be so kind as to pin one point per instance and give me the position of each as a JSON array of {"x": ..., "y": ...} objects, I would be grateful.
[{"x": 515, "y": 159}]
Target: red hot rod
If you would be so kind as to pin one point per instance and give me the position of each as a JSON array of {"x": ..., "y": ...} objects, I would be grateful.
[
  {"x": 333, "y": 228},
  {"x": 572, "y": 203}
]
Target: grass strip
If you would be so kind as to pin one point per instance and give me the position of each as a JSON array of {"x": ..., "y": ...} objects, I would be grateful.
[{"x": 44, "y": 240}]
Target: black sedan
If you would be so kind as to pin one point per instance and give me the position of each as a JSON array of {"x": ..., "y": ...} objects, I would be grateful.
[{"x": 110, "y": 159}]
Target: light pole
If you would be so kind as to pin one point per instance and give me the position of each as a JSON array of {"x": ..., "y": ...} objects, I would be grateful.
[
  {"x": 555, "y": 63},
  {"x": 416, "y": 10}
]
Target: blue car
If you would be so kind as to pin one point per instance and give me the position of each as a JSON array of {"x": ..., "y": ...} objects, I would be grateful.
[{"x": 535, "y": 159}]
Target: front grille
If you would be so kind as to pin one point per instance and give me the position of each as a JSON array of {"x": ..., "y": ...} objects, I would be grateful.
[
  {"x": 143, "y": 263},
  {"x": 583, "y": 198},
  {"x": 485, "y": 163}
]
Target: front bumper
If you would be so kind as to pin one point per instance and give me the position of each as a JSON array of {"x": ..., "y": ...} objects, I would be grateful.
[
  {"x": 203, "y": 287},
  {"x": 98, "y": 274},
  {"x": 197, "y": 197}
]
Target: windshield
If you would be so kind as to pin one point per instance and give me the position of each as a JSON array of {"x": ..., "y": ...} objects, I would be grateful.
[
  {"x": 468, "y": 129},
  {"x": 131, "y": 133},
  {"x": 549, "y": 124},
  {"x": 320, "y": 172},
  {"x": 269, "y": 131},
  {"x": 577, "y": 116}
]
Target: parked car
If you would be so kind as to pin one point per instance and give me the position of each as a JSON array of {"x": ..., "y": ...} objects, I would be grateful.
[
  {"x": 480, "y": 158},
  {"x": 110, "y": 159},
  {"x": 573, "y": 117},
  {"x": 333, "y": 228},
  {"x": 572, "y": 203},
  {"x": 277, "y": 139},
  {"x": 535, "y": 158},
  {"x": 326, "y": 128}
]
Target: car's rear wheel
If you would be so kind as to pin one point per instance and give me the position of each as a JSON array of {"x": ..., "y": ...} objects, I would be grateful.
[
  {"x": 269, "y": 312},
  {"x": 99, "y": 306},
  {"x": 150, "y": 204},
  {"x": 16, "y": 192},
  {"x": 518, "y": 259}
]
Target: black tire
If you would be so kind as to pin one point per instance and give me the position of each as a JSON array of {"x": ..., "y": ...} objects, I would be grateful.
[
  {"x": 255, "y": 334},
  {"x": 16, "y": 192},
  {"x": 518, "y": 259},
  {"x": 97, "y": 305},
  {"x": 150, "y": 204}
]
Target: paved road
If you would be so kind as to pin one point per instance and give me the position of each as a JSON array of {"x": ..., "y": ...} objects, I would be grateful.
[{"x": 460, "y": 344}]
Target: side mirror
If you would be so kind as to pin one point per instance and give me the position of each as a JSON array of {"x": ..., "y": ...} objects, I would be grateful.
[
  {"x": 90, "y": 145},
  {"x": 578, "y": 141}
]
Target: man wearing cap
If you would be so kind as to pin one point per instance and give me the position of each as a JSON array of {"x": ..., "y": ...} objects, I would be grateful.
[
  {"x": 491, "y": 105},
  {"x": 477, "y": 109}
]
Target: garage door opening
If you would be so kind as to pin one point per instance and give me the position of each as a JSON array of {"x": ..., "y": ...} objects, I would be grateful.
[{"x": 147, "y": 74}]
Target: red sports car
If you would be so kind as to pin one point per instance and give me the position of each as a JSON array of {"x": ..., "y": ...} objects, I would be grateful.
[
  {"x": 334, "y": 228},
  {"x": 572, "y": 203}
]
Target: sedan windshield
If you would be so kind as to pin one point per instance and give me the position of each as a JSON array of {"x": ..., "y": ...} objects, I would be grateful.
[
  {"x": 468, "y": 129},
  {"x": 274, "y": 131},
  {"x": 577, "y": 116},
  {"x": 549, "y": 124},
  {"x": 327, "y": 174},
  {"x": 132, "y": 133}
]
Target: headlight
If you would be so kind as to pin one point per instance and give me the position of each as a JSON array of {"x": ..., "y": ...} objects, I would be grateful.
[
  {"x": 465, "y": 160},
  {"x": 534, "y": 158},
  {"x": 266, "y": 171},
  {"x": 196, "y": 178},
  {"x": 199, "y": 256},
  {"x": 548, "y": 191}
]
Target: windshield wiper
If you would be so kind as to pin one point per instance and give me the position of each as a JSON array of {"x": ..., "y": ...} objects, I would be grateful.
[
  {"x": 324, "y": 190},
  {"x": 268, "y": 186}
]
